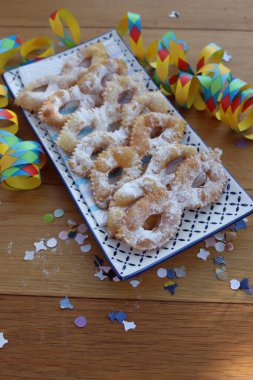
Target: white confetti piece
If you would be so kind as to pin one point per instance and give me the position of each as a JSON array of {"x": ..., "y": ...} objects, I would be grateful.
[
  {"x": 80, "y": 238},
  {"x": 226, "y": 56},
  {"x": 234, "y": 284},
  {"x": 51, "y": 243},
  {"x": 85, "y": 248},
  {"x": 3, "y": 341},
  {"x": 135, "y": 283},
  {"x": 100, "y": 275},
  {"x": 39, "y": 246},
  {"x": 174, "y": 14},
  {"x": 129, "y": 325},
  {"x": 82, "y": 228},
  {"x": 219, "y": 246},
  {"x": 63, "y": 235},
  {"x": 106, "y": 269},
  {"x": 29, "y": 255},
  {"x": 203, "y": 254},
  {"x": 58, "y": 213},
  {"x": 161, "y": 272},
  {"x": 71, "y": 223},
  {"x": 219, "y": 236},
  {"x": 116, "y": 279},
  {"x": 180, "y": 271}
]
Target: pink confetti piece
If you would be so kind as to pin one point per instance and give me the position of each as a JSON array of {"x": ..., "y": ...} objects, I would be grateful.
[
  {"x": 85, "y": 248},
  {"x": 82, "y": 228},
  {"x": 106, "y": 269},
  {"x": 234, "y": 284},
  {"x": 203, "y": 254},
  {"x": 80, "y": 321},
  {"x": 219, "y": 247},
  {"x": 63, "y": 235},
  {"x": 229, "y": 247},
  {"x": 210, "y": 242},
  {"x": 51, "y": 243},
  {"x": 80, "y": 238},
  {"x": 3, "y": 341},
  {"x": 161, "y": 272}
]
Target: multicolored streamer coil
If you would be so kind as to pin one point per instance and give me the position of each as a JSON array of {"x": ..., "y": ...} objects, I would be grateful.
[{"x": 210, "y": 87}]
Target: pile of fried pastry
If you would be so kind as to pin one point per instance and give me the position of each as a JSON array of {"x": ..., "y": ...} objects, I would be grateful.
[{"x": 138, "y": 169}]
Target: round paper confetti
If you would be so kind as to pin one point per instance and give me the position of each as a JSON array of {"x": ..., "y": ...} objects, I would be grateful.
[
  {"x": 80, "y": 321},
  {"x": 48, "y": 218},
  {"x": 82, "y": 228},
  {"x": 219, "y": 246},
  {"x": 71, "y": 223},
  {"x": 63, "y": 235},
  {"x": 51, "y": 243},
  {"x": 222, "y": 276},
  {"x": 161, "y": 272},
  {"x": 85, "y": 248},
  {"x": 229, "y": 247},
  {"x": 234, "y": 284},
  {"x": 58, "y": 213}
]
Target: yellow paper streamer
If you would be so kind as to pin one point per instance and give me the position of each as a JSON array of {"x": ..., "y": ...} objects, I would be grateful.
[
  {"x": 43, "y": 44},
  {"x": 57, "y": 26}
]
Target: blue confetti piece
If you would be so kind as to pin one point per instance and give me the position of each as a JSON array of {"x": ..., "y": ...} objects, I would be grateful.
[
  {"x": 120, "y": 316},
  {"x": 244, "y": 284},
  {"x": 171, "y": 273},
  {"x": 112, "y": 316},
  {"x": 240, "y": 225},
  {"x": 72, "y": 234},
  {"x": 219, "y": 260},
  {"x": 171, "y": 288},
  {"x": 98, "y": 261},
  {"x": 65, "y": 304}
]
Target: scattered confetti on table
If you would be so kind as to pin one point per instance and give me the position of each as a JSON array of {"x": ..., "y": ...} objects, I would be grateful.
[
  {"x": 48, "y": 218},
  {"x": 80, "y": 321},
  {"x": 171, "y": 273},
  {"x": 129, "y": 325},
  {"x": 3, "y": 341},
  {"x": 219, "y": 236},
  {"x": 180, "y": 271},
  {"x": 240, "y": 225},
  {"x": 229, "y": 247},
  {"x": 82, "y": 228},
  {"x": 174, "y": 14},
  {"x": 120, "y": 316},
  {"x": 234, "y": 284},
  {"x": 65, "y": 303},
  {"x": 161, "y": 272},
  {"x": 39, "y": 246},
  {"x": 170, "y": 286},
  {"x": 52, "y": 243},
  {"x": 135, "y": 283},
  {"x": 71, "y": 223},
  {"x": 210, "y": 242},
  {"x": 226, "y": 56},
  {"x": 85, "y": 248},
  {"x": 219, "y": 246},
  {"x": 58, "y": 213},
  {"x": 63, "y": 235},
  {"x": 219, "y": 260},
  {"x": 203, "y": 254},
  {"x": 79, "y": 238},
  {"x": 29, "y": 255},
  {"x": 105, "y": 269},
  {"x": 244, "y": 284},
  {"x": 230, "y": 235},
  {"x": 100, "y": 274}
]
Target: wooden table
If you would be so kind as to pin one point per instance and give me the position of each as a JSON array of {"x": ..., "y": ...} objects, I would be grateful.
[{"x": 205, "y": 330}]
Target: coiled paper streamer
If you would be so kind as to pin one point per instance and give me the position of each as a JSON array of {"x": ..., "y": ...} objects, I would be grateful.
[
  {"x": 210, "y": 87},
  {"x": 56, "y": 22}
]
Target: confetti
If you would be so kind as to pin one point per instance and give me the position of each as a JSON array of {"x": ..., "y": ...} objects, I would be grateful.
[
  {"x": 244, "y": 284},
  {"x": 112, "y": 316},
  {"x": 161, "y": 272},
  {"x": 65, "y": 303},
  {"x": 3, "y": 341},
  {"x": 129, "y": 325},
  {"x": 249, "y": 291},
  {"x": 80, "y": 321},
  {"x": 100, "y": 275},
  {"x": 174, "y": 14},
  {"x": 230, "y": 235},
  {"x": 39, "y": 246},
  {"x": 219, "y": 246},
  {"x": 219, "y": 236},
  {"x": 222, "y": 276},
  {"x": 241, "y": 144},
  {"x": 58, "y": 213},
  {"x": 48, "y": 218},
  {"x": 116, "y": 279},
  {"x": 80, "y": 238},
  {"x": 29, "y": 255},
  {"x": 171, "y": 286},
  {"x": 120, "y": 316},
  {"x": 210, "y": 242},
  {"x": 219, "y": 260},
  {"x": 180, "y": 271},
  {"x": 98, "y": 261},
  {"x": 105, "y": 269},
  {"x": 226, "y": 56},
  {"x": 240, "y": 225},
  {"x": 63, "y": 235},
  {"x": 135, "y": 283},
  {"x": 229, "y": 247},
  {"x": 82, "y": 228},
  {"x": 51, "y": 243},
  {"x": 234, "y": 284},
  {"x": 85, "y": 248},
  {"x": 171, "y": 273},
  {"x": 71, "y": 223},
  {"x": 203, "y": 254}
]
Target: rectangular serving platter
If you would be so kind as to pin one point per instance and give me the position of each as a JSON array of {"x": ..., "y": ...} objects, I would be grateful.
[{"x": 196, "y": 225}]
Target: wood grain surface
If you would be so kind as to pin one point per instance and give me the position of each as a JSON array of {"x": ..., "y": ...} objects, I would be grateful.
[{"x": 204, "y": 331}]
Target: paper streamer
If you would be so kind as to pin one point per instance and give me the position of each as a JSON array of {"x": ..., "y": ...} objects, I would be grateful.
[
  {"x": 3, "y": 96},
  {"x": 210, "y": 87},
  {"x": 56, "y": 20},
  {"x": 8, "y": 120},
  {"x": 44, "y": 45},
  {"x": 9, "y": 46},
  {"x": 20, "y": 162}
]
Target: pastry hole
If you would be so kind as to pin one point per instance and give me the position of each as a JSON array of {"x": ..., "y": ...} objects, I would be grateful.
[
  {"x": 156, "y": 132},
  {"x": 106, "y": 78},
  {"x": 69, "y": 107},
  {"x": 171, "y": 167},
  {"x": 200, "y": 180},
  {"x": 85, "y": 132},
  {"x": 41, "y": 88},
  {"x": 152, "y": 222},
  {"x": 145, "y": 161},
  {"x": 86, "y": 62},
  {"x": 125, "y": 97},
  {"x": 114, "y": 175}
]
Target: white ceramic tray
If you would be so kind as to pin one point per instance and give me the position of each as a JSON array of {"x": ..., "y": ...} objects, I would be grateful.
[{"x": 195, "y": 226}]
